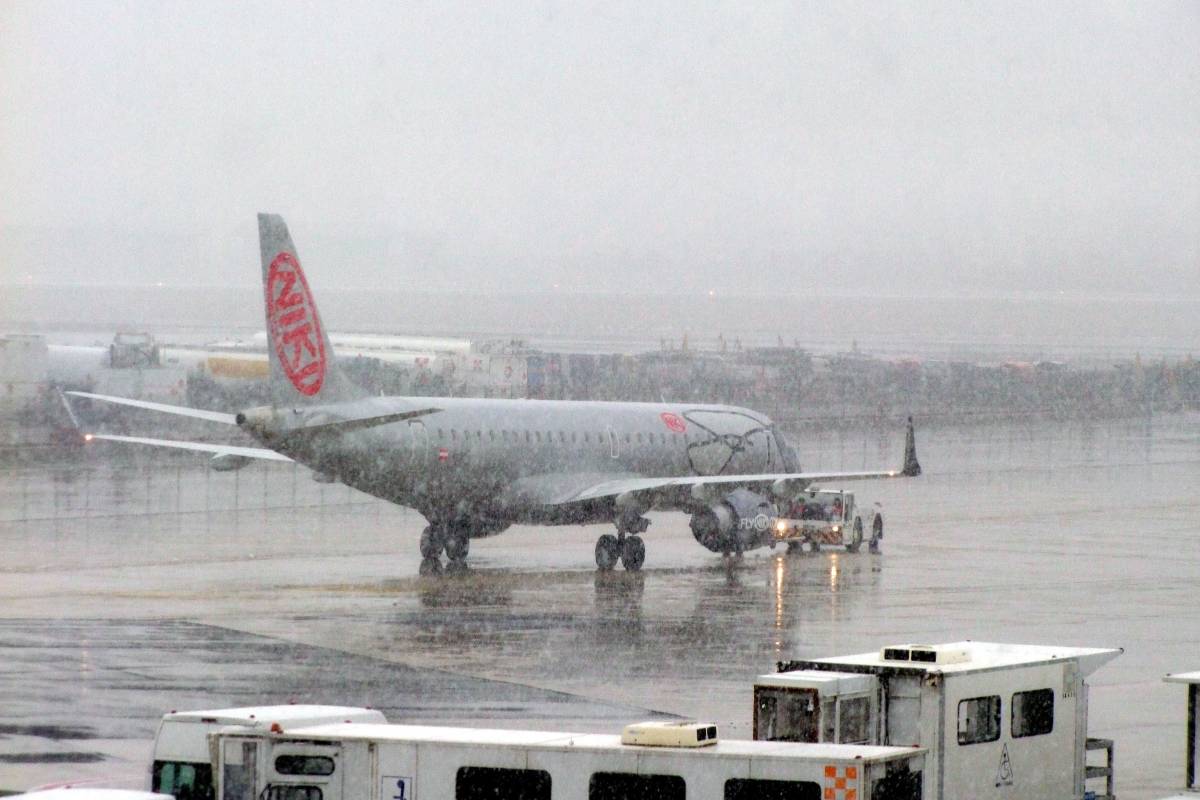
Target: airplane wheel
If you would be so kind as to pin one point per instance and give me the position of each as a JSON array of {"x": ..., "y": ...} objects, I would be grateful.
[
  {"x": 876, "y": 534},
  {"x": 607, "y": 552},
  {"x": 431, "y": 566},
  {"x": 633, "y": 555},
  {"x": 431, "y": 545},
  {"x": 458, "y": 567},
  {"x": 856, "y": 538},
  {"x": 457, "y": 546}
]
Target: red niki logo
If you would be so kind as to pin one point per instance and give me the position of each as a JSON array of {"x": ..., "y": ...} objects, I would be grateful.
[
  {"x": 295, "y": 327},
  {"x": 674, "y": 422}
]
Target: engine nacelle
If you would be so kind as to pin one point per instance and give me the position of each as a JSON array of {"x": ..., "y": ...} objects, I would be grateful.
[
  {"x": 741, "y": 521},
  {"x": 228, "y": 462}
]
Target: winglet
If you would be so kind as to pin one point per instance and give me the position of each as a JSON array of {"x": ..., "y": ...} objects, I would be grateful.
[{"x": 912, "y": 467}]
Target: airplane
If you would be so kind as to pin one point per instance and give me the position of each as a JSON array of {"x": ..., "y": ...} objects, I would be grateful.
[{"x": 474, "y": 467}]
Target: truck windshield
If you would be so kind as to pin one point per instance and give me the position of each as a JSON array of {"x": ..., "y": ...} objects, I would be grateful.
[
  {"x": 184, "y": 780},
  {"x": 786, "y": 715}
]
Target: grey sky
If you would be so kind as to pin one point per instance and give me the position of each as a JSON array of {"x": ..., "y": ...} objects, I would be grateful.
[{"x": 929, "y": 148}]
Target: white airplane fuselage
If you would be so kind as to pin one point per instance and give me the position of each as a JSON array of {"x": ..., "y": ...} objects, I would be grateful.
[{"x": 467, "y": 456}]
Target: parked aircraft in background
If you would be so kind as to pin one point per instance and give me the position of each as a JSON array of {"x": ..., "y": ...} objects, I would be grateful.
[{"x": 474, "y": 467}]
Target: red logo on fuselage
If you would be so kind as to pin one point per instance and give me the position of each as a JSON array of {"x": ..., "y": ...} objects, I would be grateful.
[
  {"x": 674, "y": 422},
  {"x": 294, "y": 325}
]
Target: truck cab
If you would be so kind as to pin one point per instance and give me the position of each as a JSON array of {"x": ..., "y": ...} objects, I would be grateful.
[{"x": 182, "y": 765}]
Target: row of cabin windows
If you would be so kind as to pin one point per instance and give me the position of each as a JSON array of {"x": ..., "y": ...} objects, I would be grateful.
[
  {"x": 491, "y": 783},
  {"x": 537, "y": 437},
  {"x": 1032, "y": 714},
  {"x": 487, "y": 783}
]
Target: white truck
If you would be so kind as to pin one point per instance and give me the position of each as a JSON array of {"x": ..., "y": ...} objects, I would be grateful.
[
  {"x": 996, "y": 720},
  {"x": 182, "y": 764},
  {"x": 829, "y": 517},
  {"x": 662, "y": 761}
]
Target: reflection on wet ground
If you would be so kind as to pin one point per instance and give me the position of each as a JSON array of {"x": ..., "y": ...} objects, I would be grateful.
[{"x": 1073, "y": 534}]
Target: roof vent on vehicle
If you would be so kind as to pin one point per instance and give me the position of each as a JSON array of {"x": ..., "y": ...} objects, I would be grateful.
[
  {"x": 925, "y": 654},
  {"x": 670, "y": 734}
]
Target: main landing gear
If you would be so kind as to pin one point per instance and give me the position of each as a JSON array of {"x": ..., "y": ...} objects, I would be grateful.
[
  {"x": 452, "y": 537},
  {"x": 626, "y": 546}
]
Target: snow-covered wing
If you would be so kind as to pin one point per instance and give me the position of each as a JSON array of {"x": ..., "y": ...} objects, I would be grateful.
[
  {"x": 558, "y": 488},
  {"x": 182, "y": 411},
  {"x": 199, "y": 447},
  {"x": 762, "y": 482}
]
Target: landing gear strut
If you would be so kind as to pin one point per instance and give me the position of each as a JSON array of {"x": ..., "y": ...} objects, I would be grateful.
[
  {"x": 626, "y": 546},
  {"x": 453, "y": 537}
]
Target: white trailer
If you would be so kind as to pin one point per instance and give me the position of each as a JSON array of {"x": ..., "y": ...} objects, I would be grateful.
[
  {"x": 406, "y": 762},
  {"x": 182, "y": 764},
  {"x": 997, "y": 720}
]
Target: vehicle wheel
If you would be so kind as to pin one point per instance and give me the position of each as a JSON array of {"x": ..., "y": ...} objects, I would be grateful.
[
  {"x": 431, "y": 545},
  {"x": 793, "y": 547},
  {"x": 431, "y": 566},
  {"x": 856, "y": 537},
  {"x": 876, "y": 534},
  {"x": 457, "y": 546},
  {"x": 633, "y": 555},
  {"x": 607, "y": 552}
]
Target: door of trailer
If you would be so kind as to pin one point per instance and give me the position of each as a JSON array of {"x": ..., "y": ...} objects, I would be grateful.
[{"x": 258, "y": 769}]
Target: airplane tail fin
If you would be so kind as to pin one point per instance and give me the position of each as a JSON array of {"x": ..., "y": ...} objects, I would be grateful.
[{"x": 303, "y": 369}]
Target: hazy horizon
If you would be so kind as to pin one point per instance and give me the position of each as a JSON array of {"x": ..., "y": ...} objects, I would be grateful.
[{"x": 914, "y": 150}]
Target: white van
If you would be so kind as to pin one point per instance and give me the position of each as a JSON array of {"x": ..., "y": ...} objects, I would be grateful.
[{"x": 182, "y": 765}]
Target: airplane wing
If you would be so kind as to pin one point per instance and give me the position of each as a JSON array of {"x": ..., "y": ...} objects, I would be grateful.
[
  {"x": 200, "y": 447},
  {"x": 183, "y": 411},
  {"x": 781, "y": 483}
]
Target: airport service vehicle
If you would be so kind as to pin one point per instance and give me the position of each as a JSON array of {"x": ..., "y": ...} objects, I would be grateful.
[
  {"x": 995, "y": 720},
  {"x": 473, "y": 467},
  {"x": 663, "y": 761},
  {"x": 829, "y": 517},
  {"x": 182, "y": 765}
]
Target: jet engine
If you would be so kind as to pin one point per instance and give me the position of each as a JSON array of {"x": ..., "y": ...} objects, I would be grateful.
[
  {"x": 228, "y": 462},
  {"x": 740, "y": 521}
]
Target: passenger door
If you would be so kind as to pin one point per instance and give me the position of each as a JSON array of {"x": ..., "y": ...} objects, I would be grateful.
[{"x": 418, "y": 439}]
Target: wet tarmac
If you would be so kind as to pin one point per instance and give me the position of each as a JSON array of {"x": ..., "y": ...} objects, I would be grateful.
[{"x": 1080, "y": 534}]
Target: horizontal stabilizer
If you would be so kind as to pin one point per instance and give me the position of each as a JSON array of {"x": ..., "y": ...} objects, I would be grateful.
[
  {"x": 199, "y": 447},
  {"x": 182, "y": 411}
]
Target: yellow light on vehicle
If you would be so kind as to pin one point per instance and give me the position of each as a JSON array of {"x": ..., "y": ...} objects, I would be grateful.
[
  {"x": 781, "y": 527},
  {"x": 837, "y": 528}
]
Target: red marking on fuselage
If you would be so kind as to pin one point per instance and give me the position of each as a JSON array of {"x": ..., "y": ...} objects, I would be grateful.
[
  {"x": 294, "y": 325},
  {"x": 674, "y": 422}
]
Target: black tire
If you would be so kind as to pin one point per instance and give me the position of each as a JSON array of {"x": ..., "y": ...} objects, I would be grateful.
[
  {"x": 793, "y": 547},
  {"x": 431, "y": 567},
  {"x": 607, "y": 552},
  {"x": 431, "y": 545},
  {"x": 856, "y": 537},
  {"x": 457, "y": 546},
  {"x": 876, "y": 533},
  {"x": 633, "y": 555}
]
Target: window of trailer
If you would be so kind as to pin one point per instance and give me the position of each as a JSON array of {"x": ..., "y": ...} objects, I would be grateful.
[
  {"x": 631, "y": 786},
  {"x": 492, "y": 783}
]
